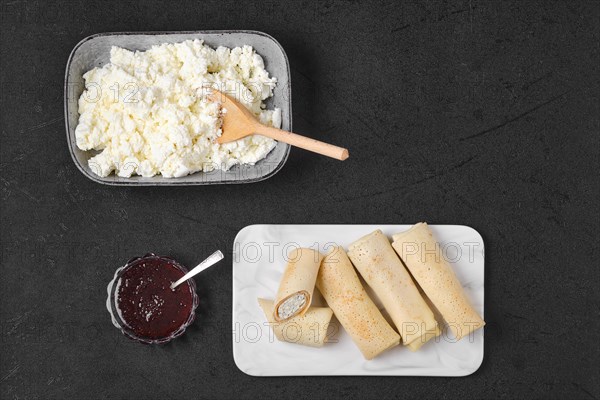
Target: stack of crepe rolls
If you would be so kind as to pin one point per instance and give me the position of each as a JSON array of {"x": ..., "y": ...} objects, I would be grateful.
[
  {"x": 422, "y": 255},
  {"x": 309, "y": 329},
  {"x": 409, "y": 306},
  {"x": 383, "y": 271},
  {"x": 339, "y": 284},
  {"x": 297, "y": 285}
]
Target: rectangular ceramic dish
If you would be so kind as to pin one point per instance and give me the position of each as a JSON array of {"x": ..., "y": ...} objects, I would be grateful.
[
  {"x": 94, "y": 51},
  {"x": 258, "y": 264}
]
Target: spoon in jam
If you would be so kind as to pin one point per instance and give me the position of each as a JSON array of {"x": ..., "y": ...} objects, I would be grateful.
[
  {"x": 239, "y": 122},
  {"x": 209, "y": 262}
]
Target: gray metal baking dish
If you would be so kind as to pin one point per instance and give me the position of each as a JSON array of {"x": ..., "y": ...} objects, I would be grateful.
[{"x": 94, "y": 51}]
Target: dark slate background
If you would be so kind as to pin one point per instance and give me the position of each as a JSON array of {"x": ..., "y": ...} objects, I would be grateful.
[{"x": 459, "y": 112}]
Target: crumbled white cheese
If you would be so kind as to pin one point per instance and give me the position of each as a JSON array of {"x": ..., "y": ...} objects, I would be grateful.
[{"x": 146, "y": 113}]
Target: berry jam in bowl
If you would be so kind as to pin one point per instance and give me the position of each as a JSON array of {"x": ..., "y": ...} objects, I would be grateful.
[{"x": 143, "y": 305}]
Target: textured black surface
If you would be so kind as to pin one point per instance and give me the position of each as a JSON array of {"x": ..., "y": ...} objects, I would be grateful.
[{"x": 462, "y": 112}]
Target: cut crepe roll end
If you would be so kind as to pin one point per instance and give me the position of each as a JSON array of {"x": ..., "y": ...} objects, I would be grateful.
[
  {"x": 309, "y": 329},
  {"x": 423, "y": 257},
  {"x": 297, "y": 283},
  {"x": 294, "y": 304}
]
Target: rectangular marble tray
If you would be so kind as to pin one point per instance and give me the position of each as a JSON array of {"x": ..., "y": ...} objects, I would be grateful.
[{"x": 258, "y": 263}]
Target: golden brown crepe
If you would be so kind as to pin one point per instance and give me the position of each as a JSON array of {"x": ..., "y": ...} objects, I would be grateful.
[
  {"x": 339, "y": 284},
  {"x": 422, "y": 255},
  {"x": 297, "y": 284},
  {"x": 417, "y": 344},
  {"x": 383, "y": 271},
  {"x": 309, "y": 329}
]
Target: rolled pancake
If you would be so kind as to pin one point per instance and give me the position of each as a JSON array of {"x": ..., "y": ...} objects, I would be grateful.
[
  {"x": 383, "y": 271},
  {"x": 309, "y": 329},
  {"x": 417, "y": 344},
  {"x": 422, "y": 255},
  {"x": 297, "y": 284},
  {"x": 338, "y": 283}
]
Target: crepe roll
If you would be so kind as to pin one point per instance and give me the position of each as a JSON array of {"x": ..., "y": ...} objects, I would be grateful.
[
  {"x": 422, "y": 255},
  {"x": 297, "y": 284},
  {"x": 309, "y": 329},
  {"x": 383, "y": 271},
  {"x": 338, "y": 283},
  {"x": 417, "y": 344}
]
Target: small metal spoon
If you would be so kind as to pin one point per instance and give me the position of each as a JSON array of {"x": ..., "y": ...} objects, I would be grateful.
[{"x": 209, "y": 262}]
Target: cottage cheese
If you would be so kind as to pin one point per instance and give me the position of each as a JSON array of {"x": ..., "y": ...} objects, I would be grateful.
[
  {"x": 291, "y": 306},
  {"x": 146, "y": 113}
]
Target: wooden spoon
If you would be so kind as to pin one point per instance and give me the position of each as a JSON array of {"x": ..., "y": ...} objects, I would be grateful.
[{"x": 239, "y": 122}]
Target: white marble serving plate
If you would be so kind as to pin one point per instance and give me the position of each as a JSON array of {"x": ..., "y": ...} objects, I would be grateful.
[{"x": 258, "y": 263}]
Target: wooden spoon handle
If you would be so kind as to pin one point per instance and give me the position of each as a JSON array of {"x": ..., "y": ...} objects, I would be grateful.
[{"x": 303, "y": 142}]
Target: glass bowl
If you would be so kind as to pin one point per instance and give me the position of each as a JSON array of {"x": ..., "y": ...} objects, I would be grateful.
[{"x": 117, "y": 320}]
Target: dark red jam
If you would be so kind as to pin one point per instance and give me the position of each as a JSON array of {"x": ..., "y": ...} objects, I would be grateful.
[{"x": 145, "y": 301}]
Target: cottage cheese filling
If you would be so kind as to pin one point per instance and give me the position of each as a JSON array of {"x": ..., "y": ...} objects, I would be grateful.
[
  {"x": 146, "y": 113},
  {"x": 291, "y": 306}
]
